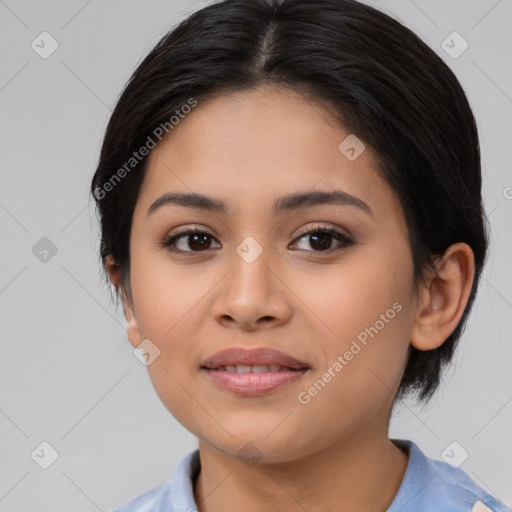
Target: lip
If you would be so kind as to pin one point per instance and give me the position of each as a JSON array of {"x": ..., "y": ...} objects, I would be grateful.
[
  {"x": 253, "y": 384},
  {"x": 252, "y": 357}
]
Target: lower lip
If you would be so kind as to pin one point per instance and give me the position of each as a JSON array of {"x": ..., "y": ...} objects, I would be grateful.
[{"x": 252, "y": 384}]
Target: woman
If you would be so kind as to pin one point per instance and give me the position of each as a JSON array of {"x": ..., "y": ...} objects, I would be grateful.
[{"x": 290, "y": 203}]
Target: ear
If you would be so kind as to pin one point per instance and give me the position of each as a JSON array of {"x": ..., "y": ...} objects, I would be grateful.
[
  {"x": 132, "y": 326},
  {"x": 443, "y": 300}
]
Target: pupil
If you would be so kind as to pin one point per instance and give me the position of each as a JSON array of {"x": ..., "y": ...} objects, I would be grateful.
[
  {"x": 195, "y": 238},
  {"x": 322, "y": 237}
]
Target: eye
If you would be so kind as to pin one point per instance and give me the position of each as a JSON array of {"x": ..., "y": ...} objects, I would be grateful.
[
  {"x": 199, "y": 241},
  {"x": 321, "y": 238}
]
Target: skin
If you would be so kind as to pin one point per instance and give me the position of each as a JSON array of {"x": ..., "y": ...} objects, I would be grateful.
[{"x": 333, "y": 453}]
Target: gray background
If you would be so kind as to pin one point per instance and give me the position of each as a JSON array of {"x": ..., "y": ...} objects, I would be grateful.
[{"x": 68, "y": 374}]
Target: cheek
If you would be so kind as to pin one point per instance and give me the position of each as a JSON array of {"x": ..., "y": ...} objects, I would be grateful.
[
  {"x": 345, "y": 298},
  {"x": 365, "y": 311},
  {"x": 166, "y": 302},
  {"x": 166, "y": 296},
  {"x": 361, "y": 374}
]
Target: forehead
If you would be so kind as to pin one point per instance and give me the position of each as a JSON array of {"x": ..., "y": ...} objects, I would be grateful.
[{"x": 249, "y": 148}]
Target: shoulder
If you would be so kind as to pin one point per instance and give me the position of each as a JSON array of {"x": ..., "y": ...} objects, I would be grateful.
[
  {"x": 174, "y": 495},
  {"x": 150, "y": 501},
  {"x": 432, "y": 485}
]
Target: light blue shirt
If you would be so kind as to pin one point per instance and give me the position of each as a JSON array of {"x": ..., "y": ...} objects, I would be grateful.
[{"x": 428, "y": 486}]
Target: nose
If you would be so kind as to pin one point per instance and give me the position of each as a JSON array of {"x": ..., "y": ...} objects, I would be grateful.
[{"x": 252, "y": 296}]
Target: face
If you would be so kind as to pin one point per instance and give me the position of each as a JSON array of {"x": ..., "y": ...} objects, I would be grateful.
[{"x": 256, "y": 276}]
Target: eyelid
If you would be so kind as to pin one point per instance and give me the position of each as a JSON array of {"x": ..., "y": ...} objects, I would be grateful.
[
  {"x": 303, "y": 231},
  {"x": 190, "y": 227},
  {"x": 318, "y": 225}
]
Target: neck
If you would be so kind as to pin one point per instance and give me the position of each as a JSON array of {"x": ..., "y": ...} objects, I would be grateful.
[{"x": 362, "y": 472}]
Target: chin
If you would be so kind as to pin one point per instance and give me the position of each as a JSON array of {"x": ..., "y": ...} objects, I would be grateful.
[{"x": 257, "y": 449}]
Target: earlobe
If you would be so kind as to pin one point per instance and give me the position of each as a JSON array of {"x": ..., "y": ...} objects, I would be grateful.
[
  {"x": 132, "y": 325},
  {"x": 444, "y": 298},
  {"x": 112, "y": 269}
]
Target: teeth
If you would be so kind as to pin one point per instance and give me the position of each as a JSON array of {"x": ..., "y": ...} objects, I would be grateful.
[
  {"x": 259, "y": 369},
  {"x": 241, "y": 368}
]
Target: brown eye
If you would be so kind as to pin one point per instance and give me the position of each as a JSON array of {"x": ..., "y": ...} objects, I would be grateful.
[
  {"x": 198, "y": 241},
  {"x": 321, "y": 238}
]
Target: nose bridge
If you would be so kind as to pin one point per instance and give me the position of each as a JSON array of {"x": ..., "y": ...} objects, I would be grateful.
[
  {"x": 250, "y": 268},
  {"x": 251, "y": 291}
]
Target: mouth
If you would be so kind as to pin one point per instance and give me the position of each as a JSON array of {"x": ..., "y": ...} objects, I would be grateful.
[
  {"x": 257, "y": 368},
  {"x": 253, "y": 372},
  {"x": 237, "y": 359}
]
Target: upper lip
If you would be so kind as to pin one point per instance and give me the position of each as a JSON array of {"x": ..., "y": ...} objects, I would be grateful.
[{"x": 251, "y": 357}]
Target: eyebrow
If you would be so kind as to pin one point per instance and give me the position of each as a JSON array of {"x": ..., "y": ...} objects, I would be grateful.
[{"x": 287, "y": 203}]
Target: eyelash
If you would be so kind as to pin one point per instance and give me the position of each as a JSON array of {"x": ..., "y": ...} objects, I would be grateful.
[{"x": 186, "y": 231}]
